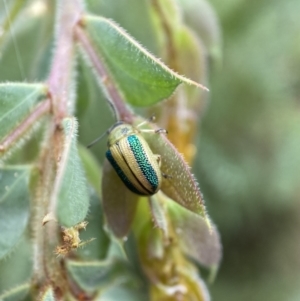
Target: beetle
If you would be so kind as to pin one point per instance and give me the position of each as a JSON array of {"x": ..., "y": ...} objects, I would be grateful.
[{"x": 133, "y": 160}]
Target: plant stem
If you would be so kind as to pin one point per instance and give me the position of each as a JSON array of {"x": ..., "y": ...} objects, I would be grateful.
[
  {"x": 19, "y": 131},
  {"x": 61, "y": 74},
  {"x": 61, "y": 86},
  {"x": 121, "y": 111}
]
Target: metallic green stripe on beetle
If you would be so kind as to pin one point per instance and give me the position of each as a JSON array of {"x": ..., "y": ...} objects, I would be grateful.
[{"x": 131, "y": 157}]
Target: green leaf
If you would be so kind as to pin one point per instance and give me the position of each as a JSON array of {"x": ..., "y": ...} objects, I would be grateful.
[
  {"x": 159, "y": 214},
  {"x": 14, "y": 206},
  {"x": 91, "y": 167},
  {"x": 95, "y": 219},
  {"x": 179, "y": 184},
  {"x": 16, "y": 294},
  {"x": 124, "y": 293},
  {"x": 91, "y": 276},
  {"x": 17, "y": 101},
  {"x": 139, "y": 9},
  {"x": 195, "y": 237},
  {"x": 119, "y": 203},
  {"x": 70, "y": 189},
  {"x": 143, "y": 79},
  {"x": 48, "y": 295}
]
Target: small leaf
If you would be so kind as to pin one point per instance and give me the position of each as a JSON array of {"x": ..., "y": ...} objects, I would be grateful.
[
  {"x": 14, "y": 206},
  {"x": 48, "y": 295},
  {"x": 159, "y": 213},
  {"x": 70, "y": 189},
  {"x": 195, "y": 237},
  {"x": 16, "y": 294},
  {"x": 91, "y": 276},
  {"x": 143, "y": 79},
  {"x": 119, "y": 203},
  {"x": 17, "y": 101}
]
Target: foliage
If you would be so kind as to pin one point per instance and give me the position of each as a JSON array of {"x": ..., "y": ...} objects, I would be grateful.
[{"x": 137, "y": 247}]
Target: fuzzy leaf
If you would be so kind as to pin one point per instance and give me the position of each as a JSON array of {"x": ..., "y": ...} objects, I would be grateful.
[
  {"x": 70, "y": 189},
  {"x": 17, "y": 101},
  {"x": 195, "y": 237},
  {"x": 91, "y": 167},
  {"x": 119, "y": 203},
  {"x": 16, "y": 294},
  {"x": 143, "y": 79},
  {"x": 14, "y": 206},
  {"x": 91, "y": 276},
  {"x": 48, "y": 295},
  {"x": 180, "y": 184}
]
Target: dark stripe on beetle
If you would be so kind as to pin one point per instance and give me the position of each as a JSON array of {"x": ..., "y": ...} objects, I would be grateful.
[
  {"x": 142, "y": 160},
  {"x": 120, "y": 173},
  {"x": 134, "y": 175}
]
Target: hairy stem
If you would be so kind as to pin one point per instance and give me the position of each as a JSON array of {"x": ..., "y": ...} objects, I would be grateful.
[
  {"x": 60, "y": 85},
  {"x": 19, "y": 131},
  {"x": 61, "y": 75}
]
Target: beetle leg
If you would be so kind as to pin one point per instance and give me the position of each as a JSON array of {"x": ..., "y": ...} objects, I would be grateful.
[
  {"x": 161, "y": 131},
  {"x": 150, "y": 119},
  {"x": 166, "y": 176},
  {"x": 158, "y": 131},
  {"x": 158, "y": 160}
]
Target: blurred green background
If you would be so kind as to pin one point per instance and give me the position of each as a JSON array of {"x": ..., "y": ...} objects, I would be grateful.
[{"x": 248, "y": 161}]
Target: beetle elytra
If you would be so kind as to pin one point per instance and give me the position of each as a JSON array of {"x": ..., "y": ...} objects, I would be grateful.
[{"x": 131, "y": 157}]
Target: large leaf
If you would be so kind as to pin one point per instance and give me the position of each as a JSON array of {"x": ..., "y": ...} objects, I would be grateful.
[
  {"x": 119, "y": 203},
  {"x": 17, "y": 101},
  {"x": 70, "y": 190},
  {"x": 91, "y": 167},
  {"x": 142, "y": 78},
  {"x": 14, "y": 206},
  {"x": 92, "y": 276},
  {"x": 98, "y": 248}
]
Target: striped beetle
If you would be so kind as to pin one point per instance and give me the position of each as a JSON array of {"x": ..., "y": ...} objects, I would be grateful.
[{"x": 131, "y": 157}]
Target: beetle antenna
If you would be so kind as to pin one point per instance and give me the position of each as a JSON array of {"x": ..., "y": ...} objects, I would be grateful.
[{"x": 97, "y": 140}]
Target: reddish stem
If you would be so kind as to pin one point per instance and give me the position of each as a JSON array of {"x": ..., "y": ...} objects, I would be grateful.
[
  {"x": 61, "y": 77},
  {"x": 39, "y": 111}
]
